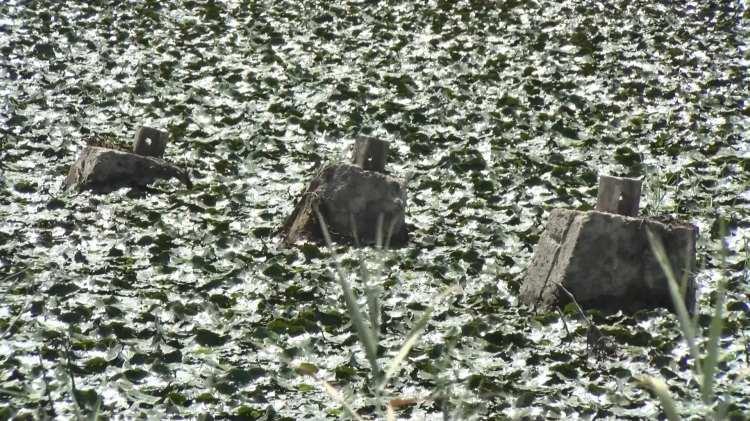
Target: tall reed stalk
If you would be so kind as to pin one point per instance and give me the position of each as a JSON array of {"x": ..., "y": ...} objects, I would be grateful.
[
  {"x": 367, "y": 326},
  {"x": 704, "y": 351}
]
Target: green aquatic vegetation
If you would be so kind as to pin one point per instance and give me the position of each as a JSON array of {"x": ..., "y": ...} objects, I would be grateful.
[{"x": 179, "y": 303}]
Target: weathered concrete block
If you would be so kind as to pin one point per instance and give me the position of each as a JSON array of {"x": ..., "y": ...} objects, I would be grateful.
[
  {"x": 606, "y": 262},
  {"x": 351, "y": 201},
  {"x": 103, "y": 170}
]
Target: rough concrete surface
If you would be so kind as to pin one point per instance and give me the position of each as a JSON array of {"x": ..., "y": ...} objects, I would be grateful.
[
  {"x": 350, "y": 200},
  {"x": 104, "y": 170},
  {"x": 606, "y": 262}
]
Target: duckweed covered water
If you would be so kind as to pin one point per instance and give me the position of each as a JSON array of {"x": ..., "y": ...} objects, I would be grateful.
[{"x": 178, "y": 303}]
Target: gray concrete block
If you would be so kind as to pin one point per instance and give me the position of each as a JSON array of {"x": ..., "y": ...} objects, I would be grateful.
[
  {"x": 606, "y": 262},
  {"x": 103, "y": 170},
  {"x": 351, "y": 200}
]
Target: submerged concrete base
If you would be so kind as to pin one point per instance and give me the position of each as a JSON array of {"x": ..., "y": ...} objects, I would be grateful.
[
  {"x": 103, "y": 170},
  {"x": 351, "y": 201},
  {"x": 606, "y": 262}
]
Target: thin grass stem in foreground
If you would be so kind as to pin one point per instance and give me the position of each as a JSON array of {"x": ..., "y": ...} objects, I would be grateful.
[
  {"x": 714, "y": 333},
  {"x": 403, "y": 352},
  {"x": 686, "y": 325},
  {"x": 364, "y": 332}
]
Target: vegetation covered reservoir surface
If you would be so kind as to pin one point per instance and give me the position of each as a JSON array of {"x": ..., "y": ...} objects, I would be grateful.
[{"x": 181, "y": 303}]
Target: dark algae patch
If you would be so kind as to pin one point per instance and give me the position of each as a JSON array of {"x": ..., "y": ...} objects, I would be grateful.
[{"x": 178, "y": 302}]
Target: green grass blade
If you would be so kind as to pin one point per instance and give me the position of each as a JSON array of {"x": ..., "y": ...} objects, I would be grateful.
[
  {"x": 94, "y": 415},
  {"x": 373, "y": 303},
  {"x": 353, "y": 224},
  {"x": 403, "y": 352},
  {"x": 686, "y": 324},
  {"x": 379, "y": 232},
  {"x": 714, "y": 334},
  {"x": 662, "y": 392},
  {"x": 712, "y": 345},
  {"x": 391, "y": 227},
  {"x": 411, "y": 340},
  {"x": 364, "y": 332}
]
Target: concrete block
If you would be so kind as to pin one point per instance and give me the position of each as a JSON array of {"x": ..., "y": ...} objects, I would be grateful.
[
  {"x": 358, "y": 202},
  {"x": 351, "y": 200},
  {"x": 103, "y": 170},
  {"x": 606, "y": 262}
]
